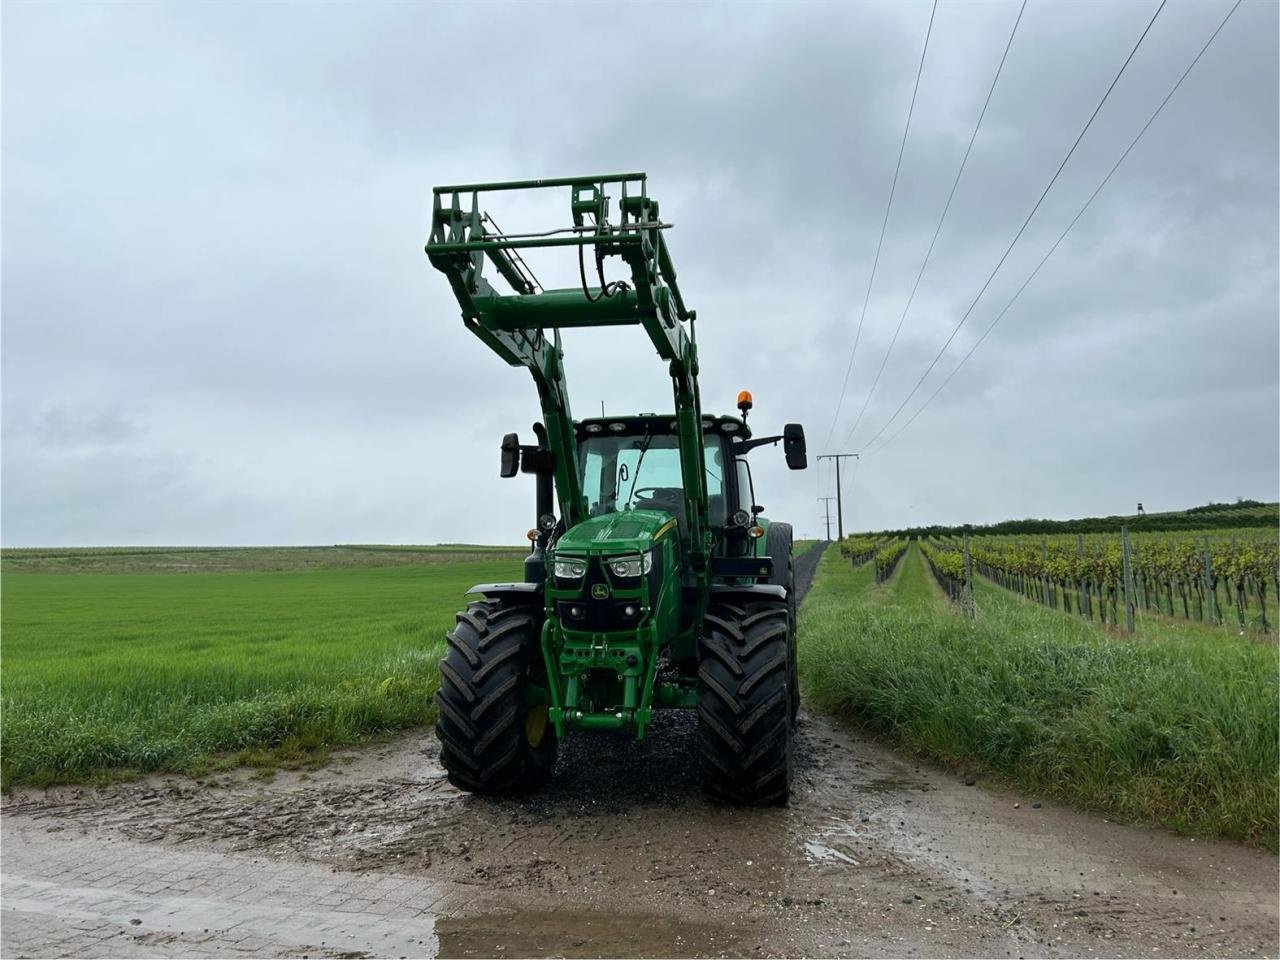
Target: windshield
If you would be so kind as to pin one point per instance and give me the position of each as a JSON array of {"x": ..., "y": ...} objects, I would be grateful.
[{"x": 643, "y": 473}]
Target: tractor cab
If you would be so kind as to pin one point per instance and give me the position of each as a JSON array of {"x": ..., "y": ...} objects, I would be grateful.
[{"x": 633, "y": 463}]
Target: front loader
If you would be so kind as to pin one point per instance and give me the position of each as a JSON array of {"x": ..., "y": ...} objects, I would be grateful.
[{"x": 653, "y": 581}]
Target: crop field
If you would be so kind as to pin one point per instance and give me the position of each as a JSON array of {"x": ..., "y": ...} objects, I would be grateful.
[
  {"x": 1174, "y": 727},
  {"x": 118, "y": 662}
]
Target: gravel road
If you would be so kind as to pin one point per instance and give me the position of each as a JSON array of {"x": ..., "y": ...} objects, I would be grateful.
[{"x": 376, "y": 855}]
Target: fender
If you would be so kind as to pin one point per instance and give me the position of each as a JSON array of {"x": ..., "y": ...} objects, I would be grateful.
[
  {"x": 519, "y": 594},
  {"x": 756, "y": 591}
]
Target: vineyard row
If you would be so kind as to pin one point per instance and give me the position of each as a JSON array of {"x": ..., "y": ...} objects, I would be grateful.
[
  {"x": 885, "y": 553},
  {"x": 1225, "y": 575}
]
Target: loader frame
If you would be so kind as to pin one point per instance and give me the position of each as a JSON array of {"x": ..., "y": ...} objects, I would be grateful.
[{"x": 515, "y": 326}]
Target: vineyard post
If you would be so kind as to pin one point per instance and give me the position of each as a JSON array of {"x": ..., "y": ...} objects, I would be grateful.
[
  {"x": 968, "y": 579},
  {"x": 1139, "y": 582},
  {"x": 1233, "y": 591},
  {"x": 1044, "y": 571},
  {"x": 1128, "y": 580},
  {"x": 1211, "y": 595},
  {"x": 1086, "y": 606}
]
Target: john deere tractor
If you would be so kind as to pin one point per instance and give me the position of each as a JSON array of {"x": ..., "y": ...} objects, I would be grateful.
[{"x": 653, "y": 581}]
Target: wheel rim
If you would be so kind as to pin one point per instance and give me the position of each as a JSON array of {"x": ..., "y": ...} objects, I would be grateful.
[{"x": 535, "y": 724}]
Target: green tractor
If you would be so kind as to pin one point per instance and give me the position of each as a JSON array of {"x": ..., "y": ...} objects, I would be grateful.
[{"x": 653, "y": 581}]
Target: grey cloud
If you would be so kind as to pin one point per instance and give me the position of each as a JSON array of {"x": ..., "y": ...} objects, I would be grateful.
[{"x": 219, "y": 326}]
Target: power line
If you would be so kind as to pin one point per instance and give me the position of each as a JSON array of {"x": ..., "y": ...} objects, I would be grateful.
[
  {"x": 941, "y": 220},
  {"x": 1054, "y": 179},
  {"x": 1116, "y": 166},
  {"x": 885, "y": 223}
]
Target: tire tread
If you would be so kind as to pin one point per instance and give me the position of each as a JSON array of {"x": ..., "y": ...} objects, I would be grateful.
[
  {"x": 480, "y": 723},
  {"x": 744, "y": 719}
]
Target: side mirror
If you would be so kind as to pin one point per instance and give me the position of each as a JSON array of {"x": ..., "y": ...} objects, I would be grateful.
[
  {"x": 793, "y": 446},
  {"x": 510, "y": 455}
]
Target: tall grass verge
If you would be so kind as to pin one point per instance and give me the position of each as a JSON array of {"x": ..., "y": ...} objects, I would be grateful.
[{"x": 1182, "y": 732}]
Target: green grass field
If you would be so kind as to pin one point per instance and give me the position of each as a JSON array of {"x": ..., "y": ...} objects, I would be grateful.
[
  {"x": 127, "y": 671},
  {"x": 1174, "y": 728},
  {"x": 243, "y": 559}
]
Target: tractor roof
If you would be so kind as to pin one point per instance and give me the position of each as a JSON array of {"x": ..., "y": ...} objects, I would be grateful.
[{"x": 642, "y": 423}]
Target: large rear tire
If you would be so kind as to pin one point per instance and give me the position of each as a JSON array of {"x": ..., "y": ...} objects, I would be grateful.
[
  {"x": 744, "y": 717},
  {"x": 778, "y": 543},
  {"x": 491, "y": 741}
]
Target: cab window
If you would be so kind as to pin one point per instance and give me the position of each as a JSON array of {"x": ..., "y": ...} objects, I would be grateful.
[{"x": 643, "y": 473}]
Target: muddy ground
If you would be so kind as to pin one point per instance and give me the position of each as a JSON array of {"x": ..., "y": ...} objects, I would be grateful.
[{"x": 376, "y": 855}]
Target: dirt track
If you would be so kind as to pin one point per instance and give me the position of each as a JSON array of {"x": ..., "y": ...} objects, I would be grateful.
[{"x": 378, "y": 855}]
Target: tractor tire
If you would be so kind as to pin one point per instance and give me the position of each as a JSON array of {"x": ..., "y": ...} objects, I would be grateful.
[
  {"x": 744, "y": 717},
  {"x": 778, "y": 545},
  {"x": 491, "y": 741}
]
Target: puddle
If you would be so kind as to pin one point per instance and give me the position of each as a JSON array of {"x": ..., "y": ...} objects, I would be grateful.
[
  {"x": 817, "y": 850},
  {"x": 893, "y": 785},
  {"x": 533, "y": 933}
]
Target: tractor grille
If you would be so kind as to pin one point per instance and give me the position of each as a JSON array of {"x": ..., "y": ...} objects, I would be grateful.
[
  {"x": 597, "y": 613},
  {"x": 601, "y": 615}
]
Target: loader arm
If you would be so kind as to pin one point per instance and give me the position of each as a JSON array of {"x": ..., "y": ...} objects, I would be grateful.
[{"x": 516, "y": 325}]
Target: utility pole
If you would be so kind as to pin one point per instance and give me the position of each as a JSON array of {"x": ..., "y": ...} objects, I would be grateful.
[
  {"x": 827, "y": 502},
  {"x": 837, "y": 457}
]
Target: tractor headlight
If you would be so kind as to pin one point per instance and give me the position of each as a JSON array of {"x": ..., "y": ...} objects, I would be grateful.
[
  {"x": 570, "y": 569},
  {"x": 631, "y": 567}
]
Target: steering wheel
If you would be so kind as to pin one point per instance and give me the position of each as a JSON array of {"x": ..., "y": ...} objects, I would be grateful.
[{"x": 656, "y": 494}]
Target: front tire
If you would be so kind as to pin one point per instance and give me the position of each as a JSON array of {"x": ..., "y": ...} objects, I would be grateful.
[
  {"x": 744, "y": 717},
  {"x": 491, "y": 741}
]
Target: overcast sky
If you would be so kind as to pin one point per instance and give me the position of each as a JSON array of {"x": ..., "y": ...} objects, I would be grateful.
[{"x": 219, "y": 326}]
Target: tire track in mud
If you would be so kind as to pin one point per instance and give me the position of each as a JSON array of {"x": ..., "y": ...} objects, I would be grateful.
[{"x": 621, "y": 855}]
